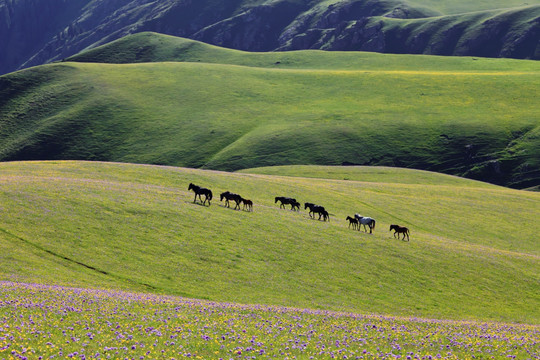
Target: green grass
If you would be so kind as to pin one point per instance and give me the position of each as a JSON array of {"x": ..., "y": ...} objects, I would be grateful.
[
  {"x": 153, "y": 47},
  {"x": 473, "y": 252},
  {"x": 373, "y": 174},
  {"x": 110, "y": 324},
  {"x": 464, "y": 116}
]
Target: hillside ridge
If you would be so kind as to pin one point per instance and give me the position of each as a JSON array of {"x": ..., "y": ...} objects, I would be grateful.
[
  {"x": 389, "y": 26},
  {"x": 467, "y": 115}
]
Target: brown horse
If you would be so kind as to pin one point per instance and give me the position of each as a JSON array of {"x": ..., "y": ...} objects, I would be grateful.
[
  {"x": 400, "y": 230},
  {"x": 247, "y": 204}
]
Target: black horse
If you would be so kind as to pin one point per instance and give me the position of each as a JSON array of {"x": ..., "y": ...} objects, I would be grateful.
[
  {"x": 325, "y": 215},
  {"x": 201, "y": 191},
  {"x": 353, "y": 222},
  {"x": 317, "y": 209},
  {"x": 227, "y": 195},
  {"x": 287, "y": 201}
]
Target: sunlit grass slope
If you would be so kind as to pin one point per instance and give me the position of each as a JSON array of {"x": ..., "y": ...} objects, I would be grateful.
[
  {"x": 474, "y": 250},
  {"x": 154, "y": 47},
  {"x": 465, "y": 116}
]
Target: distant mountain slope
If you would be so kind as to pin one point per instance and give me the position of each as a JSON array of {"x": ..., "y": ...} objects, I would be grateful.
[
  {"x": 228, "y": 110},
  {"x": 40, "y": 31}
]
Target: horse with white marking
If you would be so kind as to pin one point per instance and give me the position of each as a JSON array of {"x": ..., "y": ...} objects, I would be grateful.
[{"x": 364, "y": 220}]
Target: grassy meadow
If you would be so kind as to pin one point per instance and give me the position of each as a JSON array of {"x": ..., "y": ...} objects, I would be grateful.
[
  {"x": 473, "y": 252},
  {"x": 222, "y": 109},
  {"x": 83, "y": 323}
]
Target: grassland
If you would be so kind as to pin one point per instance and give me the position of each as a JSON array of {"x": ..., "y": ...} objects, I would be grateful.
[
  {"x": 222, "y": 109},
  {"x": 79, "y": 323},
  {"x": 473, "y": 253}
]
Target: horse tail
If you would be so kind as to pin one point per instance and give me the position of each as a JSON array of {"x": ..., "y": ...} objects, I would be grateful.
[
  {"x": 209, "y": 194},
  {"x": 373, "y": 222}
]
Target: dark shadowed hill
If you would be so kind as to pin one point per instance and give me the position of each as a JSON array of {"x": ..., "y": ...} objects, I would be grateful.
[{"x": 34, "y": 32}]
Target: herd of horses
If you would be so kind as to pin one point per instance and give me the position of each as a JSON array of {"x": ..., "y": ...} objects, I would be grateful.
[{"x": 356, "y": 222}]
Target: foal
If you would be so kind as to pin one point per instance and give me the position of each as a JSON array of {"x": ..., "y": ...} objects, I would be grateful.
[
  {"x": 353, "y": 222},
  {"x": 247, "y": 204}
]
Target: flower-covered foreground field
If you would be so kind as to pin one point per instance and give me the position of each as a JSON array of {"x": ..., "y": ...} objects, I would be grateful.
[{"x": 48, "y": 322}]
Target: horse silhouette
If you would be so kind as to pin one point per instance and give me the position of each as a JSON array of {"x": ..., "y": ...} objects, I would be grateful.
[
  {"x": 317, "y": 209},
  {"x": 287, "y": 201},
  {"x": 400, "y": 230},
  {"x": 201, "y": 191},
  {"x": 247, "y": 204},
  {"x": 353, "y": 222},
  {"x": 227, "y": 195}
]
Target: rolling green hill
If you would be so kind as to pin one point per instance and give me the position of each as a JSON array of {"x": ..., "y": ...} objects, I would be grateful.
[
  {"x": 473, "y": 252},
  {"x": 35, "y": 32},
  {"x": 206, "y": 107}
]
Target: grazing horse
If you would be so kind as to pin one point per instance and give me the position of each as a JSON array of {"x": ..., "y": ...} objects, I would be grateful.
[
  {"x": 353, "y": 222},
  {"x": 363, "y": 220},
  {"x": 286, "y": 201},
  {"x": 230, "y": 196},
  {"x": 247, "y": 204},
  {"x": 201, "y": 191},
  {"x": 400, "y": 230},
  {"x": 317, "y": 209}
]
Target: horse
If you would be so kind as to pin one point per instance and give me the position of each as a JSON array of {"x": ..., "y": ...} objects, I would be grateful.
[
  {"x": 317, "y": 209},
  {"x": 400, "y": 230},
  {"x": 363, "y": 220},
  {"x": 247, "y": 204},
  {"x": 201, "y": 191},
  {"x": 353, "y": 222},
  {"x": 325, "y": 215},
  {"x": 286, "y": 201},
  {"x": 230, "y": 196},
  {"x": 295, "y": 204}
]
